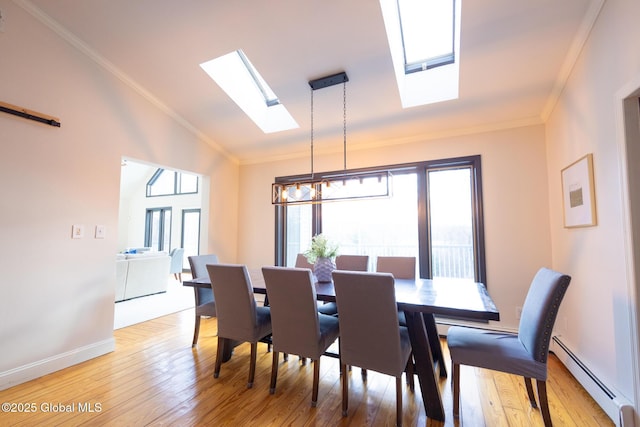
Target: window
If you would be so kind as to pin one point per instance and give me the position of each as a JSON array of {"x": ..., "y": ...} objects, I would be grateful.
[
  {"x": 190, "y": 235},
  {"x": 450, "y": 222},
  {"x": 424, "y": 43},
  {"x": 158, "y": 229},
  {"x": 392, "y": 230},
  {"x": 168, "y": 183},
  {"x": 428, "y": 30},
  {"x": 434, "y": 213},
  {"x": 242, "y": 82}
]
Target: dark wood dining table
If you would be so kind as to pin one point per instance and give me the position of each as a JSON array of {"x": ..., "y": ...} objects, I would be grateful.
[{"x": 420, "y": 300}]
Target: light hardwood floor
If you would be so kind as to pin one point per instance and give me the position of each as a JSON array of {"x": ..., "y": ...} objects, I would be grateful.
[{"x": 155, "y": 378}]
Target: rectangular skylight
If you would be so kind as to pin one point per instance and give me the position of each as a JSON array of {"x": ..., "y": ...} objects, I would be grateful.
[
  {"x": 427, "y": 33},
  {"x": 424, "y": 40},
  {"x": 242, "y": 82}
]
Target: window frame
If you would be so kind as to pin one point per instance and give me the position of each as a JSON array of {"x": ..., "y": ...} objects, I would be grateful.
[
  {"x": 427, "y": 63},
  {"x": 421, "y": 169},
  {"x": 162, "y": 230},
  {"x": 177, "y": 184}
]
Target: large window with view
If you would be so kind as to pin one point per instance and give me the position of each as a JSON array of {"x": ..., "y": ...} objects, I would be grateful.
[
  {"x": 166, "y": 183},
  {"x": 434, "y": 213}
]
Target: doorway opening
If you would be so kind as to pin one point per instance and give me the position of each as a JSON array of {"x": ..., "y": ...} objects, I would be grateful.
[
  {"x": 631, "y": 120},
  {"x": 161, "y": 209}
]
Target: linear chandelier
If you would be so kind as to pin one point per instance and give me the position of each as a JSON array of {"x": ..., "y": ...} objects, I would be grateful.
[{"x": 331, "y": 186}]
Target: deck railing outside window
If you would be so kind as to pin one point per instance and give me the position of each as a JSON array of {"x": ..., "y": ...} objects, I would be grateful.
[{"x": 452, "y": 261}]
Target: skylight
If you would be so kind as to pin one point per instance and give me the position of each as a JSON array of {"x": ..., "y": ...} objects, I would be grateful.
[
  {"x": 242, "y": 82},
  {"x": 424, "y": 40}
]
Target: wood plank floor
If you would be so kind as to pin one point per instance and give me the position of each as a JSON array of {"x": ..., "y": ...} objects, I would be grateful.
[{"x": 155, "y": 378}]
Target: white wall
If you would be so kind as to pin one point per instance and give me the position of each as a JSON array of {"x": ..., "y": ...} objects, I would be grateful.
[
  {"x": 600, "y": 330},
  {"x": 56, "y": 293},
  {"x": 515, "y": 203}
]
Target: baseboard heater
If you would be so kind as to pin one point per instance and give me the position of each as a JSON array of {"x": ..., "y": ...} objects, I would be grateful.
[{"x": 618, "y": 408}]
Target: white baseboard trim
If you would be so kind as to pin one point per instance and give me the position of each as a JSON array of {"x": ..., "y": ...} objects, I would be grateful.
[
  {"x": 55, "y": 363},
  {"x": 616, "y": 406}
]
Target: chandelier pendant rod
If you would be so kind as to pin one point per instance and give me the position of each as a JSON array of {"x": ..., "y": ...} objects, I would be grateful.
[
  {"x": 311, "y": 133},
  {"x": 344, "y": 121}
]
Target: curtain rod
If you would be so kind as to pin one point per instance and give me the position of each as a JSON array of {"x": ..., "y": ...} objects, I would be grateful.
[{"x": 29, "y": 114}]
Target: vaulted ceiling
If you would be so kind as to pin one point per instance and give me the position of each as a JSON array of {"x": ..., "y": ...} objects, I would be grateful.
[{"x": 514, "y": 58}]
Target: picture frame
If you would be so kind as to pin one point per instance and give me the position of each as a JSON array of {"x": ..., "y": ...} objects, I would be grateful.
[{"x": 578, "y": 193}]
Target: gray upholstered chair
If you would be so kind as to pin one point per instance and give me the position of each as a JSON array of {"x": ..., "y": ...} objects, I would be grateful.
[
  {"x": 370, "y": 336},
  {"x": 177, "y": 256},
  {"x": 298, "y": 328},
  {"x": 205, "y": 305},
  {"x": 239, "y": 317},
  {"x": 348, "y": 263},
  {"x": 402, "y": 267},
  {"x": 352, "y": 262},
  {"x": 324, "y": 308},
  {"x": 524, "y": 353},
  {"x": 302, "y": 262}
]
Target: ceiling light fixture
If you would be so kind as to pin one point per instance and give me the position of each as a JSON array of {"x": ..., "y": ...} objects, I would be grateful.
[{"x": 330, "y": 186}]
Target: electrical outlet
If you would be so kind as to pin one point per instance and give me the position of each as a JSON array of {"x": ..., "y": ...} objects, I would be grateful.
[
  {"x": 518, "y": 312},
  {"x": 101, "y": 232}
]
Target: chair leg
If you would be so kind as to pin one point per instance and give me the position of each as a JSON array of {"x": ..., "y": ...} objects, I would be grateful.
[
  {"x": 399, "y": 401},
  {"x": 196, "y": 331},
  {"x": 345, "y": 390},
  {"x": 363, "y": 372},
  {"x": 455, "y": 383},
  {"x": 544, "y": 403},
  {"x": 410, "y": 373},
  {"x": 532, "y": 396},
  {"x": 316, "y": 380},
  {"x": 219, "y": 356},
  {"x": 274, "y": 372},
  {"x": 252, "y": 364}
]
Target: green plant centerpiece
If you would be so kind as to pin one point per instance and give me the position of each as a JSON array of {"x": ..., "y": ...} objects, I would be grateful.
[{"x": 322, "y": 254}]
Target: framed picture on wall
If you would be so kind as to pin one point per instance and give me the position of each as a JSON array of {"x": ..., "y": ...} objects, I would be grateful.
[{"x": 578, "y": 193}]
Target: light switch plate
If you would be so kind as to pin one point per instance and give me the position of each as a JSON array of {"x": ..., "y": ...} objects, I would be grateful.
[
  {"x": 101, "y": 231},
  {"x": 77, "y": 231}
]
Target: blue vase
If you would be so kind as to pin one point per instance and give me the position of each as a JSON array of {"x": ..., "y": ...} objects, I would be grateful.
[{"x": 323, "y": 268}]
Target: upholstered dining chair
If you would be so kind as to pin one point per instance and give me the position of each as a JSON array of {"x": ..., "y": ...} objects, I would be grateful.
[
  {"x": 348, "y": 263},
  {"x": 205, "y": 305},
  {"x": 239, "y": 317},
  {"x": 524, "y": 353},
  {"x": 370, "y": 336},
  {"x": 352, "y": 262},
  {"x": 298, "y": 328},
  {"x": 177, "y": 256},
  {"x": 402, "y": 267},
  {"x": 302, "y": 262}
]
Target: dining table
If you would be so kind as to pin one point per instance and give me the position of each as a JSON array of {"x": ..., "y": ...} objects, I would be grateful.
[{"x": 420, "y": 300}]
